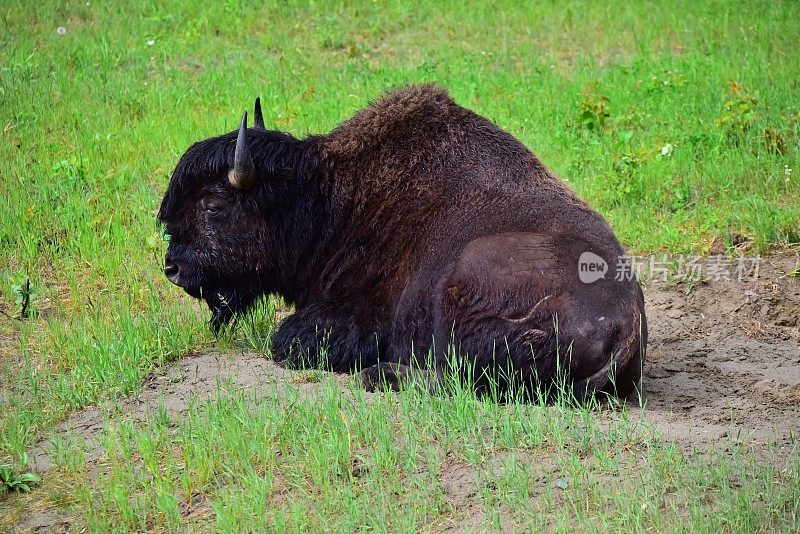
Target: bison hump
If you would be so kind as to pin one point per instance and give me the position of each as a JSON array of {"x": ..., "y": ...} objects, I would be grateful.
[{"x": 415, "y": 111}]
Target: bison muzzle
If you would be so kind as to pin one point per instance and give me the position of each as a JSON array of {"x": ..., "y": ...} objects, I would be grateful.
[{"x": 414, "y": 239}]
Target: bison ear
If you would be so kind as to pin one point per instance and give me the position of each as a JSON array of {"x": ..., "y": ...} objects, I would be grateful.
[
  {"x": 243, "y": 173},
  {"x": 258, "y": 118}
]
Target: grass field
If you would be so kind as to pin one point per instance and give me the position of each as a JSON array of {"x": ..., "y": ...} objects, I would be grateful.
[{"x": 679, "y": 121}]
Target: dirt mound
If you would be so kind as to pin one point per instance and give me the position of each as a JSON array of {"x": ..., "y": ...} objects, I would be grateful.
[
  {"x": 723, "y": 363},
  {"x": 723, "y": 360},
  {"x": 196, "y": 376}
]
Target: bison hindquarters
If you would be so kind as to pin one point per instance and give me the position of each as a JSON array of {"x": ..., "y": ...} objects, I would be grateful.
[{"x": 515, "y": 309}]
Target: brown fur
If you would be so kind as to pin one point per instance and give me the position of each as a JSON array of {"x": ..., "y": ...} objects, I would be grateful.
[{"x": 415, "y": 225}]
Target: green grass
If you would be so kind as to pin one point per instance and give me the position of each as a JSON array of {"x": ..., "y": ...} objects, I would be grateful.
[
  {"x": 93, "y": 122},
  {"x": 337, "y": 458}
]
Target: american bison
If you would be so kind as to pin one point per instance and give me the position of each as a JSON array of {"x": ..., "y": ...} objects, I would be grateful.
[{"x": 415, "y": 237}]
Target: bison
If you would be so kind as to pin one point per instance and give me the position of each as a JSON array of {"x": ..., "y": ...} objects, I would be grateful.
[{"x": 413, "y": 238}]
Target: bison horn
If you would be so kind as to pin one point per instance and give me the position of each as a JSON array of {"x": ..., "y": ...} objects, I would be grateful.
[
  {"x": 243, "y": 174},
  {"x": 258, "y": 118}
]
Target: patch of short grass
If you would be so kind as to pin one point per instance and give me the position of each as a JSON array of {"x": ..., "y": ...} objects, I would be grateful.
[{"x": 340, "y": 459}]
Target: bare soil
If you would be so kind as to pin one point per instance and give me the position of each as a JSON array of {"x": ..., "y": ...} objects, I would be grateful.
[
  {"x": 724, "y": 358},
  {"x": 723, "y": 363}
]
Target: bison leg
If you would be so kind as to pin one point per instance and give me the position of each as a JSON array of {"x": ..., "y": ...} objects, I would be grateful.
[
  {"x": 310, "y": 340},
  {"x": 396, "y": 376},
  {"x": 385, "y": 375}
]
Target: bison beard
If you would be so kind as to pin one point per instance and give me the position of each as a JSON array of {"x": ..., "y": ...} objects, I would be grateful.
[{"x": 415, "y": 240}]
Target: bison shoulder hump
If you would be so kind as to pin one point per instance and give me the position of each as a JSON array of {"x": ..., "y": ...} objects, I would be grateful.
[{"x": 411, "y": 111}]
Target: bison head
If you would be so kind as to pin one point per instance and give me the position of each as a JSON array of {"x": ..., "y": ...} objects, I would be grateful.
[{"x": 224, "y": 202}]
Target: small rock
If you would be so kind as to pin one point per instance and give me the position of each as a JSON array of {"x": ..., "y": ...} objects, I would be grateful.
[{"x": 561, "y": 483}]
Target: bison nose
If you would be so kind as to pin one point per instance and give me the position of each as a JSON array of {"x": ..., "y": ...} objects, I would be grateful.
[{"x": 173, "y": 271}]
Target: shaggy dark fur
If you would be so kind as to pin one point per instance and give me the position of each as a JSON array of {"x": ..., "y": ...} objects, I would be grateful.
[{"x": 415, "y": 226}]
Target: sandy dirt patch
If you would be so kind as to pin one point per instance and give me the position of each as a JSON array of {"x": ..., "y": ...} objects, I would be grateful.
[{"x": 724, "y": 358}]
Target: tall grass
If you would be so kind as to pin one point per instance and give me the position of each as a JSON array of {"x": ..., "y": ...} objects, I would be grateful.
[{"x": 336, "y": 458}]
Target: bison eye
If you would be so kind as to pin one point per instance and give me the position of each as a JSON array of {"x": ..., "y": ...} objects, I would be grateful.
[{"x": 212, "y": 208}]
